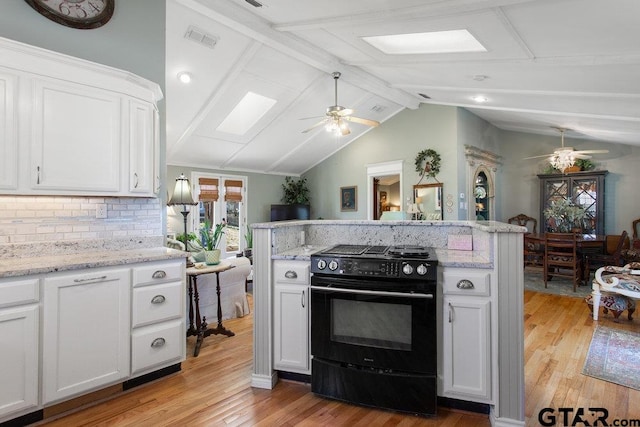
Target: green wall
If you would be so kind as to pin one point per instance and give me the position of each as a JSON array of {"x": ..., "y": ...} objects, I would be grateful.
[
  {"x": 447, "y": 130},
  {"x": 400, "y": 138}
]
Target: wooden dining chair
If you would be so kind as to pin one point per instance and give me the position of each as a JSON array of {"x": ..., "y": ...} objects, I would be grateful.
[
  {"x": 533, "y": 252},
  {"x": 561, "y": 257}
]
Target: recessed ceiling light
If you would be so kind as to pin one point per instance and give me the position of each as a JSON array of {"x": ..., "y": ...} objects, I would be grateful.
[
  {"x": 246, "y": 113},
  {"x": 452, "y": 41},
  {"x": 184, "y": 77},
  {"x": 479, "y": 98}
]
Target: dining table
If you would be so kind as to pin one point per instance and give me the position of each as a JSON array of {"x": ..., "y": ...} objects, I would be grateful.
[{"x": 586, "y": 244}]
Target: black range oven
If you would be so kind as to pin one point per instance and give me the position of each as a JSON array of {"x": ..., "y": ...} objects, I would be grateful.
[{"x": 373, "y": 326}]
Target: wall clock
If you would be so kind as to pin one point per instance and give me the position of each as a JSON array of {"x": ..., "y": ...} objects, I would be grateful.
[{"x": 83, "y": 14}]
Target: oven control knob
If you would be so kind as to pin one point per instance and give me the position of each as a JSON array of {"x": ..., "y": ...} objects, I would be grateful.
[
  {"x": 333, "y": 265},
  {"x": 421, "y": 269},
  {"x": 407, "y": 269},
  {"x": 322, "y": 264}
]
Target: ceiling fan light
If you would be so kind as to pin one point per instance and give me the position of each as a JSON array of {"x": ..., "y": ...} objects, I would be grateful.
[{"x": 562, "y": 159}]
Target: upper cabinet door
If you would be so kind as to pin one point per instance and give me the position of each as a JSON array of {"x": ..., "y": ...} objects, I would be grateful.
[
  {"x": 141, "y": 147},
  {"x": 8, "y": 131},
  {"x": 76, "y": 134}
]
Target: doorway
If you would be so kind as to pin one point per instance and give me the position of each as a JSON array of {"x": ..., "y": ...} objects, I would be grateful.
[{"x": 384, "y": 192}]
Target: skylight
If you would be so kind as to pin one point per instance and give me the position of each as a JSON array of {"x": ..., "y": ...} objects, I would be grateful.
[
  {"x": 246, "y": 113},
  {"x": 452, "y": 41}
]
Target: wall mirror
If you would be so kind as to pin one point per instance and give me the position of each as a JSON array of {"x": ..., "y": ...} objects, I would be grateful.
[{"x": 428, "y": 201}]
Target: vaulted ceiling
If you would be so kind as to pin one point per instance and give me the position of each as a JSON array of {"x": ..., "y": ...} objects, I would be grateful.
[{"x": 565, "y": 63}]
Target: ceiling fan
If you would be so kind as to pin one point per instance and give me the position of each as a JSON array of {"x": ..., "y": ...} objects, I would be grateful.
[
  {"x": 338, "y": 116},
  {"x": 565, "y": 157}
]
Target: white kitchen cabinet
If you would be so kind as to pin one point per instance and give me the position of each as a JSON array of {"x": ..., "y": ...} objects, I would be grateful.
[
  {"x": 142, "y": 148},
  {"x": 8, "y": 130},
  {"x": 291, "y": 317},
  {"x": 158, "y": 319},
  {"x": 19, "y": 347},
  {"x": 86, "y": 331},
  {"x": 72, "y": 127},
  {"x": 466, "y": 335},
  {"x": 76, "y": 137}
]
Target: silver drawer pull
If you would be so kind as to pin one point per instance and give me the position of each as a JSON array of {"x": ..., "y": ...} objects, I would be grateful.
[
  {"x": 160, "y": 274},
  {"x": 91, "y": 279},
  {"x": 465, "y": 284},
  {"x": 158, "y": 299},
  {"x": 290, "y": 274},
  {"x": 158, "y": 342}
]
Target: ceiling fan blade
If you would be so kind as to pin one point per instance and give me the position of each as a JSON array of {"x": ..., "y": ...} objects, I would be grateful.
[
  {"x": 312, "y": 117},
  {"x": 367, "y": 122},
  {"x": 580, "y": 155},
  {"x": 592, "y": 151},
  {"x": 537, "y": 157},
  {"x": 345, "y": 112},
  {"x": 321, "y": 122}
]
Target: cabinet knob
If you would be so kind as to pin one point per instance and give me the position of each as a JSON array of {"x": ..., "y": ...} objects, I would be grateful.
[
  {"x": 159, "y": 274},
  {"x": 465, "y": 284},
  {"x": 290, "y": 274},
  {"x": 158, "y": 299},
  {"x": 158, "y": 342}
]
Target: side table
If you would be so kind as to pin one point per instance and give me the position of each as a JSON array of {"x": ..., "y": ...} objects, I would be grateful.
[{"x": 200, "y": 328}]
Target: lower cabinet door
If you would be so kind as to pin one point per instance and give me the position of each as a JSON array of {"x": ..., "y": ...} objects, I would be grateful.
[
  {"x": 86, "y": 332},
  {"x": 466, "y": 349},
  {"x": 291, "y": 326},
  {"x": 19, "y": 354},
  {"x": 156, "y": 345}
]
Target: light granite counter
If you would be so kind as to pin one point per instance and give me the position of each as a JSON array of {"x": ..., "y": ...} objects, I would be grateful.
[{"x": 26, "y": 259}]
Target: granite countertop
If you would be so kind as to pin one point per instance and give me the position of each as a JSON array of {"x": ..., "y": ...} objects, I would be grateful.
[{"x": 22, "y": 266}]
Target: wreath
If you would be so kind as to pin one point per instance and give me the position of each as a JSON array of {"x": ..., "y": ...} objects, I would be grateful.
[{"x": 431, "y": 160}]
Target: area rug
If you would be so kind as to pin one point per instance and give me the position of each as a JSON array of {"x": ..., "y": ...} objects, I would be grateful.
[
  {"x": 533, "y": 281},
  {"x": 614, "y": 356}
]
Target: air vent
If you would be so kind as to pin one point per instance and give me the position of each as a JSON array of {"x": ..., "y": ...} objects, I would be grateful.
[
  {"x": 378, "y": 108},
  {"x": 424, "y": 96},
  {"x": 199, "y": 36}
]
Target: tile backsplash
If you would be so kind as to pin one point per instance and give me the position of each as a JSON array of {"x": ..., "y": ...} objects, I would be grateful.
[{"x": 30, "y": 219}]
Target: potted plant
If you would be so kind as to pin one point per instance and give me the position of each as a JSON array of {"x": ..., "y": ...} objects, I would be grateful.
[
  {"x": 210, "y": 237},
  {"x": 563, "y": 216},
  {"x": 248, "y": 237},
  {"x": 295, "y": 191}
]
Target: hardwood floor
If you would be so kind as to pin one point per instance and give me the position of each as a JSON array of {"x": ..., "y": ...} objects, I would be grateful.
[{"x": 214, "y": 388}]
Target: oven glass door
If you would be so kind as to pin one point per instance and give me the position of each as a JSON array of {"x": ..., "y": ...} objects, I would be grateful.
[{"x": 379, "y": 328}]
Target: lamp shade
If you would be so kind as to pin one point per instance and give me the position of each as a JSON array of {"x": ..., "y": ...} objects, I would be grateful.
[{"x": 182, "y": 193}]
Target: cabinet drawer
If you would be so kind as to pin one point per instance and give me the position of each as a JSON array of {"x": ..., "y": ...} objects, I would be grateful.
[
  {"x": 156, "y": 303},
  {"x": 291, "y": 272},
  {"x": 157, "y": 273},
  {"x": 16, "y": 292},
  {"x": 156, "y": 345},
  {"x": 467, "y": 282}
]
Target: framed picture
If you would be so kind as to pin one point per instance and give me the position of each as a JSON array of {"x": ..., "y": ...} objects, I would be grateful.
[{"x": 349, "y": 199}]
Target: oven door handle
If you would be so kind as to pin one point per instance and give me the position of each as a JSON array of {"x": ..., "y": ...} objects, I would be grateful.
[{"x": 376, "y": 293}]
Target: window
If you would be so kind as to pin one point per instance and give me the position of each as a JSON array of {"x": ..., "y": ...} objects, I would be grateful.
[{"x": 222, "y": 198}]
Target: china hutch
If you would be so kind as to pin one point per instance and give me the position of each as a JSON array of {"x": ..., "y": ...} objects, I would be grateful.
[
  {"x": 585, "y": 189},
  {"x": 481, "y": 187}
]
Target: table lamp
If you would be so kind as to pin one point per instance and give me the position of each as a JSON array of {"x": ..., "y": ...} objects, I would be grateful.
[{"x": 182, "y": 196}]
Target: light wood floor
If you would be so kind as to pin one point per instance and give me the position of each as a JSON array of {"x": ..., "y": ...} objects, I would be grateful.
[{"x": 214, "y": 388}]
